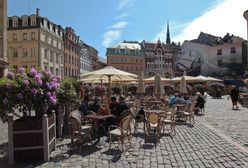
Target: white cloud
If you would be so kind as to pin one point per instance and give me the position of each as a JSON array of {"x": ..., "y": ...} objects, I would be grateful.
[
  {"x": 125, "y": 4},
  {"x": 119, "y": 25},
  {"x": 222, "y": 18},
  {"x": 110, "y": 37},
  {"x": 121, "y": 16}
]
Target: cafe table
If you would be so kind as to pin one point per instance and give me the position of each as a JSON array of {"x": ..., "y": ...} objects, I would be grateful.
[{"x": 97, "y": 125}]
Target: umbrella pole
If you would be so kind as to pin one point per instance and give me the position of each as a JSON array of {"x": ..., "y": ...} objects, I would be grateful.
[{"x": 110, "y": 89}]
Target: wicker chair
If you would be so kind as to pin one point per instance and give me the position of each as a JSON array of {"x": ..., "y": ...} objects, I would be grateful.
[
  {"x": 79, "y": 132},
  {"x": 169, "y": 119},
  {"x": 121, "y": 132},
  {"x": 189, "y": 113},
  {"x": 153, "y": 124}
]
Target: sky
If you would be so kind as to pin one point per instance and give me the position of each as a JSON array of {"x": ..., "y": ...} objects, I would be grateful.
[{"x": 103, "y": 23}]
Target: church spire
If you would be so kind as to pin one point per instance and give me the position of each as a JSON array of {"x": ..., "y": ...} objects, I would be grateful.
[{"x": 168, "y": 40}]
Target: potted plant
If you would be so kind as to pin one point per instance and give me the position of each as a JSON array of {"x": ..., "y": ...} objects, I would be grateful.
[
  {"x": 67, "y": 101},
  {"x": 27, "y": 94}
]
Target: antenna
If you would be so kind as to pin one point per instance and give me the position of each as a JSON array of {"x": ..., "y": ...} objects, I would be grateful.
[{"x": 28, "y": 6}]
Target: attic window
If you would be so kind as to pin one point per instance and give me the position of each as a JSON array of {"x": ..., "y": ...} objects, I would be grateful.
[{"x": 233, "y": 50}]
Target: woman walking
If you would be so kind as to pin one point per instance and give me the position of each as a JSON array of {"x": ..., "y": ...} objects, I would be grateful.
[{"x": 235, "y": 97}]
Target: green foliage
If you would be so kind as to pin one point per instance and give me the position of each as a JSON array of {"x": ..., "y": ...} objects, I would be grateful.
[{"x": 67, "y": 92}]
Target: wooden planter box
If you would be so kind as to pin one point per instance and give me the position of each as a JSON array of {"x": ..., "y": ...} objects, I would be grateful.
[{"x": 32, "y": 139}]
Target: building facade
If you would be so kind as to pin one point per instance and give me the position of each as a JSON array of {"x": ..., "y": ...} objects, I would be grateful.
[
  {"x": 102, "y": 62},
  {"x": 93, "y": 54},
  {"x": 245, "y": 45},
  {"x": 72, "y": 53},
  {"x": 210, "y": 55},
  {"x": 128, "y": 56},
  {"x": 85, "y": 60},
  {"x": 3, "y": 37},
  {"x": 159, "y": 58},
  {"x": 35, "y": 41}
]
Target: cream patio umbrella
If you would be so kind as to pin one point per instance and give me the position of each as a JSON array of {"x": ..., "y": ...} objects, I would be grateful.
[
  {"x": 141, "y": 85},
  {"x": 211, "y": 79},
  {"x": 158, "y": 89},
  {"x": 183, "y": 86},
  {"x": 187, "y": 79},
  {"x": 152, "y": 79},
  {"x": 111, "y": 73}
]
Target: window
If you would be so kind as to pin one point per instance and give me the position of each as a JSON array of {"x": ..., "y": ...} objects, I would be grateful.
[
  {"x": 15, "y": 23},
  {"x": 51, "y": 69},
  {"x": 33, "y": 22},
  {"x": 122, "y": 51},
  {"x": 24, "y": 22},
  {"x": 14, "y": 36},
  {"x": 57, "y": 71},
  {"x": 62, "y": 60},
  {"x": 15, "y": 66},
  {"x": 233, "y": 50},
  {"x": 57, "y": 58},
  {"x": 51, "y": 56},
  {"x": 32, "y": 52},
  {"x": 15, "y": 53},
  {"x": 219, "y": 63},
  {"x": 45, "y": 67},
  {"x": 45, "y": 53},
  {"x": 33, "y": 35},
  {"x": 25, "y": 36},
  {"x": 219, "y": 52},
  {"x": 25, "y": 66},
  {"x": 131, "y": 51},
  {"x": 25, "y": 52}
]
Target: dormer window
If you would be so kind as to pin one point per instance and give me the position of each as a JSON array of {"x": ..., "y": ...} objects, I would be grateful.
[
  {"x": 15, "y": 23},
  {"x": 159, "y": 51},
  {"x": 33, "y": 22},
  {"x": 24, "y": 22}
]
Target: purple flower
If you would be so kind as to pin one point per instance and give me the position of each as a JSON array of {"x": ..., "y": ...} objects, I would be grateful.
[
  {"x": 48, "y": 94},
  {"x": 53, "y": 100},
  {"x": 21, "y": 70},
  {"x": 25, "y": 82},
  {"x": 5, "y": 101},
  {"x": 49, "y": 87},
  {"x": 19, "y": 96},
  {"x": 33, "y": 72},
  {"x": 58, "y": 78},
  {"x": 37, "y": 77},
  {"x": 9, "y": 86},
  {"x": 10, "y": 75},
  {"x": 34, "y": 91},
  {"x": 39, "y": 82},
  {"x": 48, "y": 73}
]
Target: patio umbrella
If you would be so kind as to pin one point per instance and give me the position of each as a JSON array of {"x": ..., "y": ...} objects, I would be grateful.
[
  {"x": 152, "y": 79},
  {"x": 211, "y": 79},
  {"x": 158, "y": 88},
  {"x": 202, "y": 78},
  {"x": 183, "y": 86},
  {"x": 112, "y": 74},
  {"x": 94, "y": 80},
  {"x": 186, "y": 78},
  {"x": 141, "y": 86}
]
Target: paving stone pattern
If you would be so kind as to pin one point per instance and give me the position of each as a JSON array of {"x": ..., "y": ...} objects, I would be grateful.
[{"x": 197, "y": 146}]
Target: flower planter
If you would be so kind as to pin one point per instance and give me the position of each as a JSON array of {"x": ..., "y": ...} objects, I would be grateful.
[{"x": 31, "y": 139}]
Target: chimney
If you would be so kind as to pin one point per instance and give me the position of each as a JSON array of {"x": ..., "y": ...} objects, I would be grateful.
[{"x": 37, "y": 12}]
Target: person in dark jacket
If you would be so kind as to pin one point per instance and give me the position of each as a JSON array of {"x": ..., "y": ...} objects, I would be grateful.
[
  {"x": 96, "y": 105},
  {"x": 235, "y": 97},
  {"x": 84, "y": 106}
]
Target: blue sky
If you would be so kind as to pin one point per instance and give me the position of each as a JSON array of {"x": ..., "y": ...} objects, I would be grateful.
[{"x": 102, "y": 23}]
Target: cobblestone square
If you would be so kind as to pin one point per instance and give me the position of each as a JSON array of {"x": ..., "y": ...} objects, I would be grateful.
[{"x": 217, "y": 139}]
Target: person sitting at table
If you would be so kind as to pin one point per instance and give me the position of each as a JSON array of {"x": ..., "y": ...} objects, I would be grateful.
[
  {"x": 84, "y": 106},
  {"x": 173, "y": 99},
  {"x": 113, "y": 105},
  {"x": 155, "y": 107},
  {"x": 180, "y": 100},
  {"x": 96, "y": 105}
]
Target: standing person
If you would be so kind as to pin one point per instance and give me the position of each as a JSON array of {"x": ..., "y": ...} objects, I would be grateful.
[{"x": 235, "y": 97}]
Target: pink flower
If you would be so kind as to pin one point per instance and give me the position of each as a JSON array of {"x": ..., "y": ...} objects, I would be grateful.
[
  {"x": 25, "y": 83},
  {"x": 10, "y": 75},
  {"x": 21, "y": 70},
  {"x": 34, "y": 91},
  {"x": 39, "y": 82},
  {"x": 33, "y": 72}
]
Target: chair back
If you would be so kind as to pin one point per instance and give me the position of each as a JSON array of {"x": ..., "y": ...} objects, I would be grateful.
[
  {"x": 76, "y": 114},
  {"x": 75, "y": 123},
  {"x": 153, "y": 118},
  {"x": 125, "y": 113},
  {"x": 125, "y": 123}
]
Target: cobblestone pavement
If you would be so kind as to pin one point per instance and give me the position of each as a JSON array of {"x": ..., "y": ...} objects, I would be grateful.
[{"x": 215, "y": 141}]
